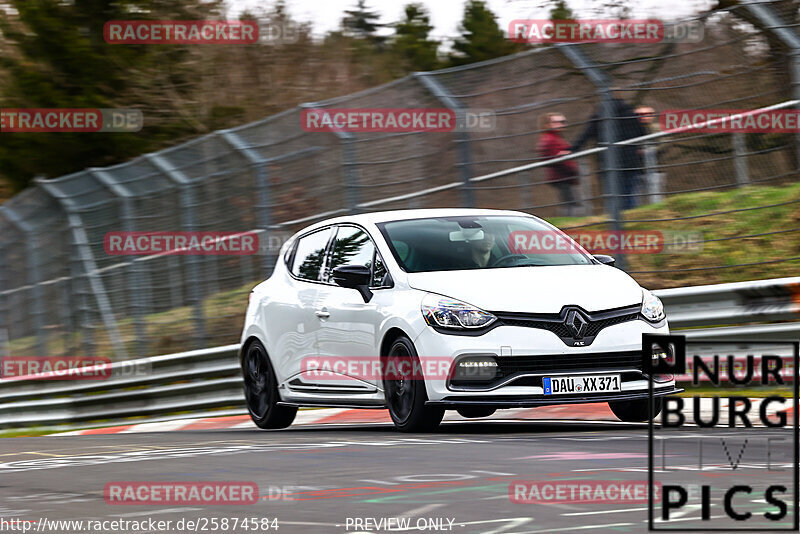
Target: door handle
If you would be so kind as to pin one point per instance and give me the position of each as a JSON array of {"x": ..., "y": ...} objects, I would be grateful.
[{"x": 322, "y": 314}]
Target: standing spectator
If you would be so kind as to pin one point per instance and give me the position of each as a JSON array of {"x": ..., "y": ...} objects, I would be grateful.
[
  {"x": 563, "y": 175},
  {"x": 646, "y": 114},
  {"x": 629, "y": 161}
]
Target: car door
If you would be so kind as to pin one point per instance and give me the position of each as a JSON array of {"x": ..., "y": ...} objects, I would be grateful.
[
  {"x": 296, "y": 312},
  {"x": 349, "y": 326}
]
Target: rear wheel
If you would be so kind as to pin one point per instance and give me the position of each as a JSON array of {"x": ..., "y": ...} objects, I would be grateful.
[
  {"x": 261, "y": 390},
  {"x": 405, "y": 391},
  {"x": 635, "y": 411},
  {"x": 475, "y": 411}
]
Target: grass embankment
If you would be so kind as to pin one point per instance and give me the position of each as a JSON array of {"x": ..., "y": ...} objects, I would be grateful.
[{"x": 718, "y": 249}]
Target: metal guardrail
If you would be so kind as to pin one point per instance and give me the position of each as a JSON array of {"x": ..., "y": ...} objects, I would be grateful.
[
  {"x": 776, "y": 299},
  {"x": 207, "y": 382}
]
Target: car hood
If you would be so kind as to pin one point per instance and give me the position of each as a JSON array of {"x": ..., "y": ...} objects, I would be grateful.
[{"x": 534, "y": 289}]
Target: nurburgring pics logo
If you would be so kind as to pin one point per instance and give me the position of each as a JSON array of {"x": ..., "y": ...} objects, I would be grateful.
[
  {"x": 42, "y": 120},
  {"x": 746, "y": 474},
  {"x": 180, "y": 32},
  {"x": 603, "y": 31},
  {"x": 731, "y": 120},
  {"x": 181, "y": 243},
  {"x": 368, "y": 120}
]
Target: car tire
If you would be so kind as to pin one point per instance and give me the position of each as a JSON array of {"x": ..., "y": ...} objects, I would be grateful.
[
  {"x": 261, "y": 390},
  {"x": 405, "y": 398},
  {"x": 635, "y": 411},
  {"x": 473, "y": 412}
]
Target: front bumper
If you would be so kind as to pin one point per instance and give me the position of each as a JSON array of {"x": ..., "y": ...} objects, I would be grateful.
[
  {"x": 510, "y": 401},
  {"x": 614, "y": 350}
]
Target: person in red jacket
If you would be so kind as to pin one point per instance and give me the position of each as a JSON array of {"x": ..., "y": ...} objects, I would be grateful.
[{"x": 563, "y": 175}]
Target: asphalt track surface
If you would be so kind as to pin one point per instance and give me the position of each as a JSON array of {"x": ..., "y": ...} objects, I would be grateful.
[{"x": 323, "y": 478}]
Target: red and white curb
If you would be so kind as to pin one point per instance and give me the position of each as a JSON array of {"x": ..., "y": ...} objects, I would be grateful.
[
  {"x": 599, "y": 412},
  {"x": 327, "y": 416}
]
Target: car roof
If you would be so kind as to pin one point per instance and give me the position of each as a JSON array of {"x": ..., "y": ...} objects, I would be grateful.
[{"x": 399, "y": 215}]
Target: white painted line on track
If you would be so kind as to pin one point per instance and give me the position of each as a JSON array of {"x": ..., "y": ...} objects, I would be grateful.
[
  {"x": 421, "y": 510},
  {"x": 569, "y": 529},
  {"x": 163, "y": 511},
  {"x": 307, "y": 417},
  {"x": 606, "y": 511},
  {"x": 164, "y": 426}
]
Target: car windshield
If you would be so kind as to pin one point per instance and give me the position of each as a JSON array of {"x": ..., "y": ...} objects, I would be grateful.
[{"x": 482, "y": 242}]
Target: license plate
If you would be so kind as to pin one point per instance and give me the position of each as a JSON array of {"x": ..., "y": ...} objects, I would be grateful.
[{"x": 571, "y": 385}]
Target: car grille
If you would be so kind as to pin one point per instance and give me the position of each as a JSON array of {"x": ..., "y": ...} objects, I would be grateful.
[{"x": 557, "y": 322}]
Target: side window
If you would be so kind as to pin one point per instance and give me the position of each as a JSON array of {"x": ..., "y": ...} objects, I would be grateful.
[
  {"x": 353, "y": 247},
  {"x": 310, "y": 255}
]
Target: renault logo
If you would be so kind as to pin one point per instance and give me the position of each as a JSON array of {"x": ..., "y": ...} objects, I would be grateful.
[{"x": 576, "y": 323}]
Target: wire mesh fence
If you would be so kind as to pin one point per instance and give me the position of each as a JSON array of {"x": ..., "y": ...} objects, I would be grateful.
[{"x": 63, "y": 293}]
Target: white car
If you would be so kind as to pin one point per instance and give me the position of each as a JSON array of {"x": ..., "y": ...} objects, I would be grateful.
[{"x": 421, "y": 311}]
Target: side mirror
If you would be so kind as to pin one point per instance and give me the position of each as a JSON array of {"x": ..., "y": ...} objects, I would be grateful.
[
  {"x": 355, "y": 277},
  {"x": 606, "y": 260}
]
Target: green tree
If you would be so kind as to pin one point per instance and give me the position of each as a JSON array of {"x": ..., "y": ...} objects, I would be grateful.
[
  {"x": 55, "y": 56},
  {"x": 362, "y": 23},
  {"x": 481, "y": 37},
  {"x": 411, "y": 43},
  {"x": 561, "y": 11}
]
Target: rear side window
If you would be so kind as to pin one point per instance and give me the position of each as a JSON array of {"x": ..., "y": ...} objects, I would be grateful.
[{"x": 310, "y": 255}]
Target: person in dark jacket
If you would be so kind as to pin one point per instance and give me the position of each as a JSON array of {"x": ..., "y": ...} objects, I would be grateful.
[
  {"x": 629, "y": 160},
  {"x": 563, "y": 175}
]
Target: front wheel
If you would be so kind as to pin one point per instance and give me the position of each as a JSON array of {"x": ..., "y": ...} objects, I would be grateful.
[
  {"x": 404, "y": 387},
  {"x": 635, "y": 411},
  {"x": 261, "y": 390}
]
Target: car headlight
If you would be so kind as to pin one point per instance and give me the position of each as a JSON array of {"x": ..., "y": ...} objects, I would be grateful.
[
  {"x": 450, "y": 313},
  {"x": 652, "y": 307}
]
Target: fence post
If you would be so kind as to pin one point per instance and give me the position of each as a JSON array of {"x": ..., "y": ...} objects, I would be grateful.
[
  {"x": 585, "y": 181},
  {"x": 5, "y": 347},
  {"x": 84, "y": 254},
  {"x": 4, "y": 322},
  {"x": 654, "y": 180},
  {"x": 740, "y": 159},
  {"x": 350, "y": 163},
  {"x": 610, "y": 172},
  {"x": 187, "y": 203},
  {"x": 463, "y": 145},
  {"x": 136, "y": 283},
  {"x": 786, "y": 33},
  {"x": 34, "y": 275},
  {"x": 263, "y": 190}
]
